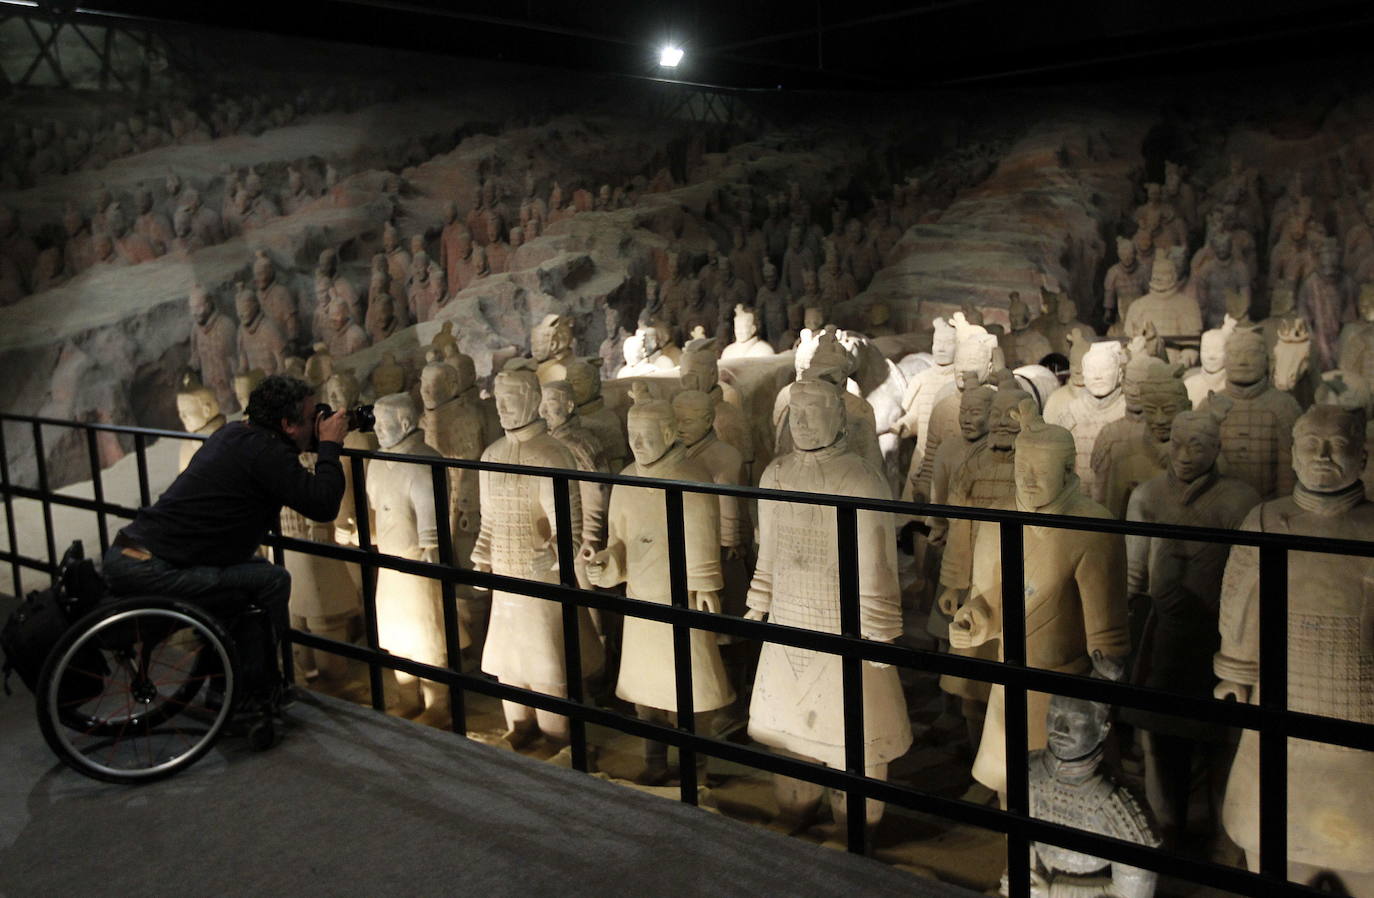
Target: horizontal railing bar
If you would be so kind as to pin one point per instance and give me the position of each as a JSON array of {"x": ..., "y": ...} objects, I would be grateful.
[
  {"x": 36, "y": 564},
  {"x": 37, "y": 495},
  {"x": 97, "y": 425},
  {"x": 1315, "y": 728},
  {"x": 1358, "y": 548},
  {"x": 1295, "y": 724},
  {"x": 1202, "y": 872}
]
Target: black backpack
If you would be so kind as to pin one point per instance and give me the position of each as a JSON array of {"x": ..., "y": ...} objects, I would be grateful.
[{"x": 35, "y": 626}]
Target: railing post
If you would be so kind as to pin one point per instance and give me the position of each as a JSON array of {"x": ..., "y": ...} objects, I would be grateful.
[
  {"x": 41, "y": 459},
  {"x": 145, "y": 493},
  {"x": 97, "y": 488},
  {"x": 852, "y": 673},
  {"x": 682, "y": 641},
  {"x": 369, "y": 572},
  {"x": 572, "y": 629},
  {"x": 1273, "y": 741},
  {"x": 1014, "y": 704},
  {"x": 288, "y": 656},
  {"x": 452, "y": 644},
  {"x": 10, "y": 529}
]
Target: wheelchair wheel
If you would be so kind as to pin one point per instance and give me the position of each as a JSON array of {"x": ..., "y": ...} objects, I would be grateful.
[{"x": 137, "y": 690}]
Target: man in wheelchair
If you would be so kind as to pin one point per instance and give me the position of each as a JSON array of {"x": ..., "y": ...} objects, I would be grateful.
[{"x": 199, "y": 541}]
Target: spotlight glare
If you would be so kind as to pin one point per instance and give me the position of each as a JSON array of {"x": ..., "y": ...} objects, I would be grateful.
[{"x": 670, "y": 56}]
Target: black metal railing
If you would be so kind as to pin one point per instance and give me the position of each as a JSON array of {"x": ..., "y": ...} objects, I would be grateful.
[{"x": 1271, "y": 718}]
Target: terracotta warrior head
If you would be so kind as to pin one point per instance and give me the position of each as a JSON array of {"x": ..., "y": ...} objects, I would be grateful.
[
  {"x": 517, "y": 394},
  {"x": 1075, "y": 728},
  {"x": 1045, "y": 458},
  {"x": 695, "y": 413},
  {"x": 397, "y": 418},
  {"x": 698, "y": 369},
  {"x": 438, "y": 381},
  {"x": 1102, "y": 368},
  {"x": 196, "y": 404},
  {"x": 1247, "y": 356},
  {"x": 246, "y": 304},
  {"x": 1195, "y": 439},
  {"x": 1162, "y": 396},
  {"x": 1017, "y": 312},
  {"x": 746, "y": 323},
  {"x": 650, "y": 428},
  {"x": 975, "y": 405},
  {"x": 1004, "y": 418},
  {"x": 551, "y": 337},
  {"x": 943, "y": 343},
  {"x": 341, "y": 390},
  {"x": 557, "y": 403},
  {"x": 1329, "y": 448},
  {"x": 815, "y": 413},
  {"x": 584, "y": 378}
]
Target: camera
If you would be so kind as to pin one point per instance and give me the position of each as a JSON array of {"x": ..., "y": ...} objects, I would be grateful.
[{"x": 362, "y": 418}]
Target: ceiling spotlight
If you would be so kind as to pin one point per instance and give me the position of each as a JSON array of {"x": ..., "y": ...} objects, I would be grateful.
[{"x": 670, "y": 56}]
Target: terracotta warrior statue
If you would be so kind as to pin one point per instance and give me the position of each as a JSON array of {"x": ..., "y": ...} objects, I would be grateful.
[
  {"x": 825, "y": 352},
  {"x": 1022, "y": 344},
  {"x": 277, "y": 301},
  {"x": 1355, "y": 349},
  {"x": 455, "y": 427},
  {"x": 976, "y": 357},
  {"x": 985, "y": 479},
  {"x": 343, "y": 337},
  {"x": 1075, "y": 587},
  {"x": 1210, "y": 375},
  {"x": 200, "y": 414},
  {"x": 214, "y": 347},
  {"x": 748, "y": 344},
  {"x": 699, "y": 371},
  {"x": 1182, "y": 583},
  {"x": 772, "y": 301},
  {"x": 1069, "y": 786},
  {"x": 1222, "y": 281},
  {"x": 584, "y": 376},
  {"x": 518, "y": 538},
  {"x": 636, "y": 554},
  {"x": 1101, "y": 401},
  {"x": 1256, "y": 427},
  {"x": 410, "y": 619},
  {"x": 1126, "y": 281},
  {"x": 1326, "y": 299},
  {"x": 1171, "y": 310},
  {"x": 261, "y": 344},
  {"x": 558, "y": 408},
  {"x": 1330, "y": 817},
  {"x": 551, "y": 345},
  {"x": 1133, "y": 449},
  {"x": 797, "y": 704},
  {"x": 927, "y": 387}
]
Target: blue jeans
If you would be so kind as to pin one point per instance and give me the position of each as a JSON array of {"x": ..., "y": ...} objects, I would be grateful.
[{"x": 205, "y": 586}]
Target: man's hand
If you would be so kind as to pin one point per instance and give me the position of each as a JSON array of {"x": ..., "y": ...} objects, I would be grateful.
[
  {"x": 704, "y": 600},
  {"x": 333, "y": 428}
]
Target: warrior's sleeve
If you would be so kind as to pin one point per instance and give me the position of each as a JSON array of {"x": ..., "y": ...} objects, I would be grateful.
[
  {"x": 760, "y": 596},
  {"x": 546, "y": 503},
  {"x": 729, "y": 509},
  {"x": 1130, "y": 822},
  {"x": 1109, "y": 289},
  {"x": 1137, "y": 549},
  {"x": 956, "y": 562},
  {"x": 985, "y": 593},
  {"x": 481, "y": 551},
  {"x": 426, "y": 515},
  {"x": 921, "y": 486},
  {"x": 1238, "y": 658},
  {"x": 880, "y": 601},
  {"x": 1101, "y": 577},
  {"x": 615, "y": 540},
  {"x": 701, "y": 531}
]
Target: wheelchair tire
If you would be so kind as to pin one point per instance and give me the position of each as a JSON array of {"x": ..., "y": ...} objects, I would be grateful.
[{"x": 137, "y": 690}]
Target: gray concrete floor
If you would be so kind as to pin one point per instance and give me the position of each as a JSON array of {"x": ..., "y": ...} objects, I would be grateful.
[{"x": 354, "y": 802}]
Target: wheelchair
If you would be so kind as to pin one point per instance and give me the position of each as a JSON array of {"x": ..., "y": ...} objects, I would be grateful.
[{"x": 142, "y": 687}]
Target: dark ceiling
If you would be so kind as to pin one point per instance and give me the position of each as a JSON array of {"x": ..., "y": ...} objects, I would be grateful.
[{"x": 854, "y": 44}]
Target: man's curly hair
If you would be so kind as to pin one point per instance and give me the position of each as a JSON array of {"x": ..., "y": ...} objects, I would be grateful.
[{"x": 278, "y": 396}]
